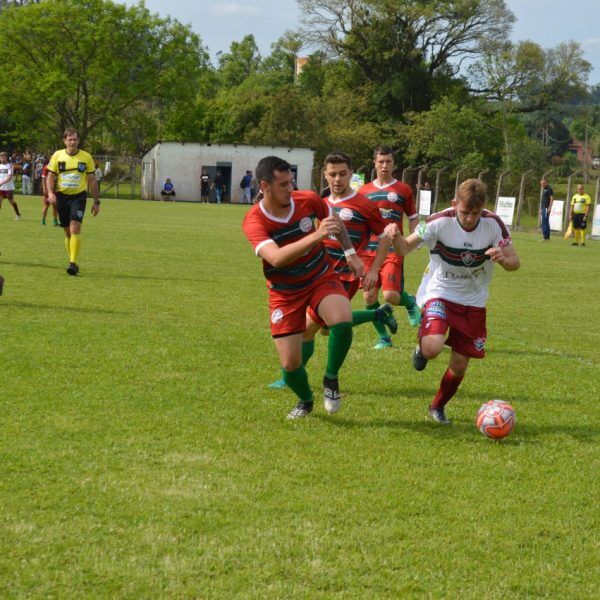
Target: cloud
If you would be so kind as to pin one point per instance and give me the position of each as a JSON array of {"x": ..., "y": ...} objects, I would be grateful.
[
  {"x": 232, "y": 9},
  {"x": 593, "y": 43}
]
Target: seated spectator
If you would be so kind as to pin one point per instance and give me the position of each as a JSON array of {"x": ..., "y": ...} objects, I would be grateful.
[{"x": 168, "y": 190}]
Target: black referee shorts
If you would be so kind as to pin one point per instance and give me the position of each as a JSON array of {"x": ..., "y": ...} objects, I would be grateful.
[{"x": 70, "y": 207}]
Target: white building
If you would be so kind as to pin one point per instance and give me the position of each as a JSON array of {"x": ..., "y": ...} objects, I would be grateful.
[{"x": 183, "y": 162}]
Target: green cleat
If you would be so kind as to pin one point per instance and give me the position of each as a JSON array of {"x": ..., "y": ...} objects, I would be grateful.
[
  {"x": 278, "y": 384},
  {"x": 43, "y": 221},
  {"x": 383, "y": 343},
  {"x": 414, "y": 314}
]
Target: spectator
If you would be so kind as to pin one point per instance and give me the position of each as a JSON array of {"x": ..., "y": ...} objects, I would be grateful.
[
  {"x": 219, "y": 187},
  {"x": 253, "y": 187},
  {"x": 26, "y": 172},
  {"x": 546, "y": 199},
  {"x": 246, "y": 189},
  {"x": 205, "y": 185},
  {"x": 38, "y": 169},
  {"x": 99, "y": 174},
  {"x": 168, "y": 190}
]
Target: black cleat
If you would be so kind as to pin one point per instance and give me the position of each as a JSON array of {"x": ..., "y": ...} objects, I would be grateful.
[
  {"x": 72, "y": 269},
  {"x": 1, "y": 284},
  {"x": 419, "y": 361},
  {"x": 301, "y": 410},
  {"x": 385, "y": 314},
  {"x": 438, "y": 414}
]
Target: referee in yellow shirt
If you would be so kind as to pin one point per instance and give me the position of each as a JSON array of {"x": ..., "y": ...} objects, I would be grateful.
[
  {"x": 71, "y": 173},
  {"x": 580, "y": 207}
]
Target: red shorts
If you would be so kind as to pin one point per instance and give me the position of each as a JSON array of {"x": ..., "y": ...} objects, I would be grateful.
[
  {"x": 6, "y": 194},
  {"x": 350, "y": 289},
  {"x": 288, "y": 309},
  {"x": 391, "y": 275},
  {"x": 467, "y": 325}
]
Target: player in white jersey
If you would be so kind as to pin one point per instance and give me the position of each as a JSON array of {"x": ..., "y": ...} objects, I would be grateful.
[
  {"x": 7, "y": 184},
  {"x": 464, "y": 243}
]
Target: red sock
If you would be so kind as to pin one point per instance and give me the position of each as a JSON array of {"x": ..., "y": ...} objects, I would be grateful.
[{"x": 448, "y": 387}]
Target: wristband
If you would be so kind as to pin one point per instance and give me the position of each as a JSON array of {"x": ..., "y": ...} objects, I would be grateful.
[{"x": 349, "y": 252}]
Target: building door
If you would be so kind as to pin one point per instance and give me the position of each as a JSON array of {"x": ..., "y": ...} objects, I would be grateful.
[{"x": 225, "y": 169}]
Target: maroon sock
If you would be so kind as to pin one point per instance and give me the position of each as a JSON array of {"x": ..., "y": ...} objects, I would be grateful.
[{"x": 448, "y": 387}]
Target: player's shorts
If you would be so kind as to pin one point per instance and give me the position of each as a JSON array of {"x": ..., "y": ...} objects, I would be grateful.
[
  {"x": 578, "y": 220},
  {"x": 288, "y": 309},
  {"x": 6, "y": 194},
  {"x": 391, "y": 275},
  {"x": 70, "y": 208},
  {"x": 467, "y": 325},
  {"x": 350, "y": 288}
]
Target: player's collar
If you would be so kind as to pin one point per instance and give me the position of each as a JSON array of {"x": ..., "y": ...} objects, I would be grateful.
[
  {"x": 351, "y": 195},
  {"x": 278, "y": 219},
  {"x": 383, "y": 186}
]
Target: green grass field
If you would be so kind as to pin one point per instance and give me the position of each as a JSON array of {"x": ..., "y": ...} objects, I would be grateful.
[{"x": 142, "y": 455}]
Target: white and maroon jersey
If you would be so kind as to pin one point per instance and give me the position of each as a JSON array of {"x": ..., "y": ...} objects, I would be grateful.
[
  {"x": 459, "y": 270},
  {"x": 6, "y": 171},
  {"x": 261, "y": 228}
]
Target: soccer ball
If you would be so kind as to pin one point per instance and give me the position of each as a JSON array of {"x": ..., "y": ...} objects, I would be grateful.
[{"x": 496, "y": 419}]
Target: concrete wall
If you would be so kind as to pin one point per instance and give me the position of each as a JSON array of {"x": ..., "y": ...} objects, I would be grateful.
[{"x": 183, "y": 163}]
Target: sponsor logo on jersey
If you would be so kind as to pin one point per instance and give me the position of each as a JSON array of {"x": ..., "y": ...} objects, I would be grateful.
[
  {"x": 392, "y": 197},
  {"x": 306, "y": 224},
  {"x": 276, "y": 316},
  {"x": 436, "y": 310},
  {"x": 346, "y": 214},
  {"x": 386, "y": 213},
  {"x": 70, "y": 180},
  {"x": 468, "y": 258},
  {"x": 479, "y": 343}
]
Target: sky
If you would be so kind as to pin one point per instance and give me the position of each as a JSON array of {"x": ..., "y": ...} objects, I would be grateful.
[{"x": 547, "y": 22}]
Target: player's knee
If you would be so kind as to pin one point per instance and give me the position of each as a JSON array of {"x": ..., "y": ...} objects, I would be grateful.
[
  {"x": 291, "y": 363},
  {"x": 431, "y": 348},
  {"x": 391, "y": 297}
]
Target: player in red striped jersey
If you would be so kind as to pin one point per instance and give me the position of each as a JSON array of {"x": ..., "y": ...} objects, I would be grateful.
[
  {"x": 286, "y": 229},
  {"x": 464, "y": 243},
  {"x": 394, "y": 200},
  {"x": 45, "y": 201}
]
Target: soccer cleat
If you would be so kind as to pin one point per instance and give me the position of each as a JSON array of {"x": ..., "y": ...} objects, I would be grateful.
[
  {"x": 17, "y": 217},
  {"x": 438, "y": 414},
  {"x": 574, "y": 244},
  {"x": 331, "y": 395},
  {"x": 278, "y": 384},
  {"x": 56, "y": 223},
  {"x": 301, "y": 410},
  {"x": 385, "y": 314},
  {"x": 1, "y": 284},
  {"x": 419, "y": 361},
  {"x": 414, "y": 313},
  {"x": 43, "y": 221},
  {"x": 72, "y": 269},
  {"x": 383, "y": 343}
]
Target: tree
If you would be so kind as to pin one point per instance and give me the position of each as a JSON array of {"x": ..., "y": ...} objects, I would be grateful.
[{"x": 87, "y": 63}]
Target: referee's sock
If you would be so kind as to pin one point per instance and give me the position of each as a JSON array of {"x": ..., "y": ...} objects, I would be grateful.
[{"x": 74, "y": 247}]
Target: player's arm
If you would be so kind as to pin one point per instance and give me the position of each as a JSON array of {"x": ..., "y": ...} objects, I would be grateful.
[
  {"x": 50, "y": 183},
  {"x": 93, "y": 187},
  {"x": 413, "y": 221},
  {"x": 505, "y": 256},
  {"x": 372, "y": 276},
  {"x": 402, "y": 245},
  {"x": 354, "y": 261},
  {"x": 280, "y": 256}
]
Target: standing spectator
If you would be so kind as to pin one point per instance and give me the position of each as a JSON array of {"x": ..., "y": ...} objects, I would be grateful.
[
  {"x": 579, "y": 209},
  {"x": 7, "y": 184},
  {"x": 38, "y": 168},
  {"x": 246, "y": 189},
  {"x": 26, "y": 173},
  {"x": 168, "y": 190},
  {"x": 205, "y": 185},
  {"x": 253, "y": 188},
  {"x": 219, "y": 187},
  {"x": 546, "y": 200},
  {"x": 72, "y": 171},
  {"x": 98, "y": 174},
  {"x": 45, "y": 201}
]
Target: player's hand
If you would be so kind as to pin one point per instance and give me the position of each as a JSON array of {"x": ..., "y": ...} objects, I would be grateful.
[
  {"x": 370, "y": 280},
  {"x": 496, "y": 255},
  {"x": 391, "y": 231},
  {"x": 95, "y": 209},
  {"x": 584, "y": 222},
  {"x": 329, "y": 226},
  {"x": 52, "y": 197},
  {"x": 356, "y": 265}
]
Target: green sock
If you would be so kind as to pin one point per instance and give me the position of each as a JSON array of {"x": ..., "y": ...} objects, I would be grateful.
[
  {"x": 379, "y": 327},
  {"x": 407, "y": 300},
  {"x": 340, "y": 340},
  {"x": 297, "y": 381},
  {"x": 362, "y": 316},
  {"x": 308, "y": 349}
]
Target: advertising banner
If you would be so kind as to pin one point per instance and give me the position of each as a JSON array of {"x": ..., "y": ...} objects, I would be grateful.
[
  {"x": 556, "y": 215},
  {"x": 425, "y": 202},
  {"x": 505, "y": 209}
]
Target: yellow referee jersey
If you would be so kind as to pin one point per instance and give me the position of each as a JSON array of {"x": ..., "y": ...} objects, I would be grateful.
[
  {"x": 579, "y": 202},
  {"x": 71, "y": 171}
]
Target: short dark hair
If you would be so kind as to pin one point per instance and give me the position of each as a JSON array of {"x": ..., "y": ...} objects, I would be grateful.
[
  {"x": 266, "y": 167},
  {"x": 70, "y": 131},
  {"x": 384, "y": 150},
  {"x": 472, "y": 192},
  {"x": 338, "y": 157}
]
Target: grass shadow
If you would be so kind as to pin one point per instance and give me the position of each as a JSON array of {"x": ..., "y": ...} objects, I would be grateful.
[{"x": 75, "y": 309}]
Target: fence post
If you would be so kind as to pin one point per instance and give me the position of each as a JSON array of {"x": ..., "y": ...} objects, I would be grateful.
[
  {"x": 458, "y": 174},
  {"x": 500, "y": 180},
  {"x": 437, "y": 188},
  {"x": 405, "y": 171},
  {"x": 482, "y": 173},
  {"x": 568, "y": 200},
  {"x": 422, "y": 169},
  {"x": 521, "y": 194}
]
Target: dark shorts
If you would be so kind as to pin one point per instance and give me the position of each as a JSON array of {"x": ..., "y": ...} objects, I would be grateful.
[
  {"x": 70, "y": 208},
  {"x": 578, "y": 221},
  {"x": 6, "y": 194}
]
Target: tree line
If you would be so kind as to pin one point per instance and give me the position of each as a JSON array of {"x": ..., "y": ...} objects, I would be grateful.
[{"x": 438, "y": 80}]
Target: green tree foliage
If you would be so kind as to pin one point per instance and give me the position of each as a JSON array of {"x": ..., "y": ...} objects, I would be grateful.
[{"x": 91, "y": 64}]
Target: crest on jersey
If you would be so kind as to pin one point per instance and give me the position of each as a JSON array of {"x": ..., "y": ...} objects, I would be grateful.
[
  {"x": 306, "y": 224},
  {"x": 392, "y": 197},
  {"x": 346, "y": 214},
  {"x": 468, "y": 258},
  {"x": 80, "y": 214},
  {"x": 81, "y": 167},
  {"x": 276, "y": 316}
]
